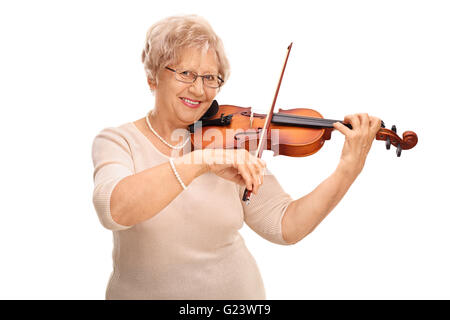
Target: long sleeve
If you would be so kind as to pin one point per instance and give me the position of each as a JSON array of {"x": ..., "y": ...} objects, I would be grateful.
[
  {"x": 192, "y": 249},
  {"x": 266, "y": 209},
  {"x": 112, "y": 159}
]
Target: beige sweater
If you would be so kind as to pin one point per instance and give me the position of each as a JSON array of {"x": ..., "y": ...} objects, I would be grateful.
[{"x": 192, "y": 249}]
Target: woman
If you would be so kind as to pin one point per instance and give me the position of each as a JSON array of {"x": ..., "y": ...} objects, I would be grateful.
[{"x": 175, "y": 214}]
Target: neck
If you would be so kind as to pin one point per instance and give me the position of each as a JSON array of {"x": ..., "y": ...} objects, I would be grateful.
[{"x": 166, "y": 128}]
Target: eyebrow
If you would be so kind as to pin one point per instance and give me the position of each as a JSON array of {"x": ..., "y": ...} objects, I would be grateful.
[{"x": 190, "y": 69}]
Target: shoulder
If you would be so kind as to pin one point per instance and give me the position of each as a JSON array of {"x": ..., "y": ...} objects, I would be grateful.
[
  {"x": 122, "y": 129},
  {"x": 125, "y": 132},
  {"x": 121, "y": 137}
]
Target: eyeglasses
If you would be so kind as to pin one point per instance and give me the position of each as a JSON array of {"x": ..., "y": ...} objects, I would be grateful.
[{"x": 209, "y": 80}]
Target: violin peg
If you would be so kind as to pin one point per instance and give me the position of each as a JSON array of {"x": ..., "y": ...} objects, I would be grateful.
[
  {"x": 399, "y": 150},
  {"x": 394, "y": 128},
  {"x": 382, "y": 124},
  {"x": 388, "y": 143}
]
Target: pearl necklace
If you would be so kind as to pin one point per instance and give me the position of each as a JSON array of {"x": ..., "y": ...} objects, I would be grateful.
[{"x": 164, "y": 141}]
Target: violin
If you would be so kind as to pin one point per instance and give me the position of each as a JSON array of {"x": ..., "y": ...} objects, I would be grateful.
[{"x": 295, "y": 132}]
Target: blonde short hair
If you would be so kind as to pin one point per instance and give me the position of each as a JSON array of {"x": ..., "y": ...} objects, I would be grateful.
[{"x": 166, "y": 38}]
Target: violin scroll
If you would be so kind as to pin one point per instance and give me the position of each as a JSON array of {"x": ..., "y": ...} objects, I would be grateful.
[{"x": 390, "y": 136}]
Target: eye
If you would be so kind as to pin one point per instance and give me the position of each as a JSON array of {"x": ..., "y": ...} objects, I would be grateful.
[
  {"x": 187, "y": 74},
  {"x": 209, "y": 77}
]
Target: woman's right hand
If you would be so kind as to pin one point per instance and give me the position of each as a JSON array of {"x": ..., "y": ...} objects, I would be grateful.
[{"x": 237, "y": 165}]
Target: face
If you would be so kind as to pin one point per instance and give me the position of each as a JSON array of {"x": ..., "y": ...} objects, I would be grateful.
[{"x": 171, "y": 95}]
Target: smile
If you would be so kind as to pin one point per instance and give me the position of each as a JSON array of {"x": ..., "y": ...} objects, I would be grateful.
[{"x": 190, "y": 103}]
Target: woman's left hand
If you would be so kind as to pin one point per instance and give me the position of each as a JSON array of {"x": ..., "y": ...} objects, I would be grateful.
[{"x": 358, "y": 141}]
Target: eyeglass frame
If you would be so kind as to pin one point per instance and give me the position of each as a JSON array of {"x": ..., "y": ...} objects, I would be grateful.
[{"x": 196, "y": 75}]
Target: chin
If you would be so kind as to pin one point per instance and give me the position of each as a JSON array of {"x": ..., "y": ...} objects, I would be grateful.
[
  {"x": 193, "y": 115},
  {"x": 189, "y": 117}
]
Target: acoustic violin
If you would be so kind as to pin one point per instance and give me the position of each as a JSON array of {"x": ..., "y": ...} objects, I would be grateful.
[{"x": 295, "y": 132}]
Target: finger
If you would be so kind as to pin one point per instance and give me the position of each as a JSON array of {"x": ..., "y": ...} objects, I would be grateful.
[
  {"x": 354, "y": 121},
  {"x": 263, "y": 167},
  {"x": 365, "y": 121},
  {"x": 375, "y": 124},
  {"x": 245, "y": 174},
  {"x": 232, "y": 174},
  {"x": 239, "y": 180},
  {"x": 259, "y": 164},
  {"x": 254, "y": 170},
  {"x": 341, "y": 128},
  {"x": 365, "y": 128},
  {"x": 263, "y": 172},
  {"x": 260, "y": 168},
  {"x": 262, "y": 162}
]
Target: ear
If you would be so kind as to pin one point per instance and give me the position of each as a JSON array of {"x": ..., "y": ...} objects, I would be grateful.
[{"x": 151, "y": 83}]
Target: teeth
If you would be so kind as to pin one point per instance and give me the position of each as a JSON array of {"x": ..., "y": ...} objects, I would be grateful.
[{"x": 190, "y": 101}]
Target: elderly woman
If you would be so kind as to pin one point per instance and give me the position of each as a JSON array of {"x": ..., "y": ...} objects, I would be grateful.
[{"x": 176, "y": 214}]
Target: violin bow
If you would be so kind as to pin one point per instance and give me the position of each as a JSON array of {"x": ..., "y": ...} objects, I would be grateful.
[{"x": 263, "y": 133}]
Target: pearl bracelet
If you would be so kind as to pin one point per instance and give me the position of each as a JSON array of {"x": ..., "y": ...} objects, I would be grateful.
[{"x": 176, "y": 173}]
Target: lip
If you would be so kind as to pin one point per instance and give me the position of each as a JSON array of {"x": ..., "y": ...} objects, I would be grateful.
[{"x": 192, "y": 106}]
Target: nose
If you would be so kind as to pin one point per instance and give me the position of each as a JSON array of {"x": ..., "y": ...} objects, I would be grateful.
[{"x": 197, "y": 87}]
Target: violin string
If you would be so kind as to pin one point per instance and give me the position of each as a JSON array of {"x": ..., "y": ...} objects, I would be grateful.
[
  {"x": 302, "y": 120},
  {"x": 295, "y": 117}
]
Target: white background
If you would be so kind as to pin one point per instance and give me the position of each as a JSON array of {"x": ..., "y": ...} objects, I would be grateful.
[{"x": 68, "y": 69}]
